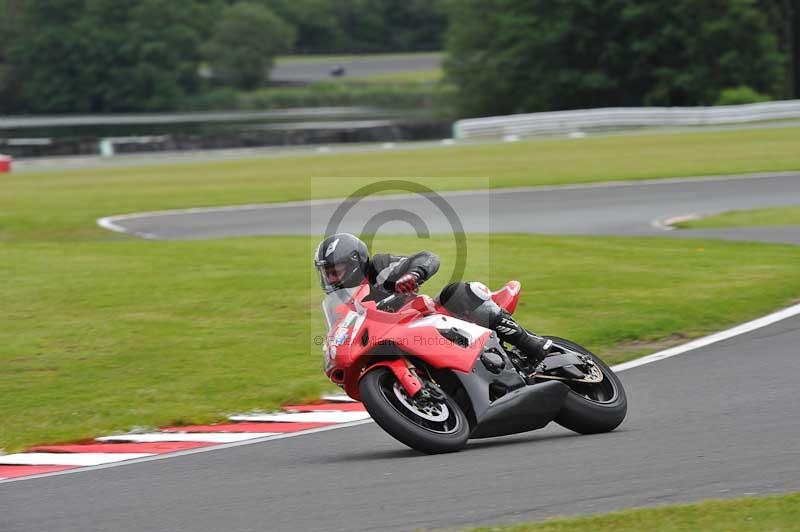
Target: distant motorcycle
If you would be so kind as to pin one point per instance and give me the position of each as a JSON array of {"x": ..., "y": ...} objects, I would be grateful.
[{"x": 433, "y": 381}]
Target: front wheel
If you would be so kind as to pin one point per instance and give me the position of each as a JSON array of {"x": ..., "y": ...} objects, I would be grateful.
[
  {"x": 591, "y": 408},
  {"x": 429, "y": 426}
]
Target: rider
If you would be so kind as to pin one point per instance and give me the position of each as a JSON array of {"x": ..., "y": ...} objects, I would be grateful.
[{"x": 343, "y": 261}]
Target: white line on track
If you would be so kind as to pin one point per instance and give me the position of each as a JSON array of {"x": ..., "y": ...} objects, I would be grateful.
[
  {"x": 668, "y": 224},
  {"x": 111, "y": 222},
  {"x": 655, "y": 357},
  {"x": 711, "y": 339},
  {"x": 304, "y": 417},
  {"x": 108, "y": 222},
  {"x": 215, "y": 437},
  {"x": 188, "y": 451},
  {"x": 338, "y": 398},
  {"x": 68, "y": 459}
]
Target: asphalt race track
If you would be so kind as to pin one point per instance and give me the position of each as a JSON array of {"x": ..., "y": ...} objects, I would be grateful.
[
  {"x": 720, "y": 421},
  {"x": 310, "y": 69},
  {"x": 627, "y": 208}
]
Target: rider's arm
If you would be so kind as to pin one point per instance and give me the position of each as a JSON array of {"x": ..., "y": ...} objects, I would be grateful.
[
  {"x": 424, "y": 263},
  {"x": 385, "y": 268}
]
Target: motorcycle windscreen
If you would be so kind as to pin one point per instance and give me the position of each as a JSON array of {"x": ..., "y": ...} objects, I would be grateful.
[{"x": 333, "y": 302}]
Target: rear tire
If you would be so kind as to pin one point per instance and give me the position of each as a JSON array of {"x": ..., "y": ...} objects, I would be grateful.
[
  {"x": 442, "y": 431},
  {"x": 604, "y": 408}
]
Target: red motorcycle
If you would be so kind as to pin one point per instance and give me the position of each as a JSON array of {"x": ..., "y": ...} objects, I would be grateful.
[{"x": 433, "y": 381}]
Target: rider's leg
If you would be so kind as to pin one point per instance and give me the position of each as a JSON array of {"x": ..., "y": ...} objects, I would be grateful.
[
  {"x": 473, "y": 302},
  {"x": 534, "y": 347}
]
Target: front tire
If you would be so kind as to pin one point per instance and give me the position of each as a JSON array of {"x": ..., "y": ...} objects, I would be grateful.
[
  {"x": 430, "y": 429},
  {"x": 592, "y": 408}
]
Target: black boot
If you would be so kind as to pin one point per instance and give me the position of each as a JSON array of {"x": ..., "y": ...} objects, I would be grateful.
[{"x": 535, "y": 348}]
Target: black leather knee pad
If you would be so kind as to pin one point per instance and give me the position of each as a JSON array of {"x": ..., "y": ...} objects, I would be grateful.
[{"x": 462, "y": 301}]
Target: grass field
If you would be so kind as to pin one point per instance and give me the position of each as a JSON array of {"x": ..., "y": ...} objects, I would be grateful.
[
  {"x": 100, "y": 332},
  {"x": 337, "y": 59},
  {"x": 97, "y": 337},
  {"x": 433, "y": 75},
  {"x": 64, "y": 205},
  {"x": 752, "y": 514},
  {"x": 747, "y": 218}
]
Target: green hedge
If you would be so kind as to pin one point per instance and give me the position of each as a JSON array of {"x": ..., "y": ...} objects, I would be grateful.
[
  {"x": 740, "y": 95},
  {"x": 328, "y": 94}
]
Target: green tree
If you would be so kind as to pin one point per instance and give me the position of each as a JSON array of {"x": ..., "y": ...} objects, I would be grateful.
[
  {"x": 315, "y": 22},
  {"x": 166, "y": 38},
  {"x": 9, "y": 28},
  {"x": 784, "y": 17},
  {"x": 359, "y": 26},
  {"x": 106, "y": 55},
  {"x": 510, "y": 56},
  {"x": 44, "y": 55},
  {"x": 246, "y": 40},
  {"x": 413, "y": 25}
]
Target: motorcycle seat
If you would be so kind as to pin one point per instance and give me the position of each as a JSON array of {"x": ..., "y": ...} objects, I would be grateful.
[{"x": 508, "y": 296}]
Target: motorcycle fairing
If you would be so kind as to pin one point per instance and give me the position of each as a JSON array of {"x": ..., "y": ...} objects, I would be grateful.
[
  {"x": 521, "y": 408},
  {"x": 376, "y": 338},
  {"x": 422, "y": 339},
  {"x": 353, "y": 344}
]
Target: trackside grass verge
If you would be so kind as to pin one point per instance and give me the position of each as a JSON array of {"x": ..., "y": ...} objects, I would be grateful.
[
  {"x": 424, "y": 97},
  {"x": 334, "y": 59},
  {"x": 100, "y": 332},
  {"x": 753, "y": 514},
  {"x": 64, "y": 205},
  {"x": 747, "y": 218},
  {"x": 433, "y": 75},
  {"x": 420, "y": 91},
  {"x": 99, "y": 337}
]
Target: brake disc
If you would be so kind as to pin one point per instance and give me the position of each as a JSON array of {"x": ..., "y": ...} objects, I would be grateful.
[{"x": 432, "y": 411}]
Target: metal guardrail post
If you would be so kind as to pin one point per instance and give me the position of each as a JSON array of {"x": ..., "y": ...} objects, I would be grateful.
[{"x": 106, "y": 148}]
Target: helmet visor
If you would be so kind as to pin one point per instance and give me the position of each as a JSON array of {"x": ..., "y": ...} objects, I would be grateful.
[
  {"x": 334, "y": 273},
  {"x": 332, "y": 276}
]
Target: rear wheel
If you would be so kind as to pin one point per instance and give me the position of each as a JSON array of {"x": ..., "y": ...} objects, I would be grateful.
[
  {"x": 428, "y": 425},
  {"x": 591, "y": 408}
]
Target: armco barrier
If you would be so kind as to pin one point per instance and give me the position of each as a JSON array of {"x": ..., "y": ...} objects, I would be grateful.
[{"x": 619, "y": 117}]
